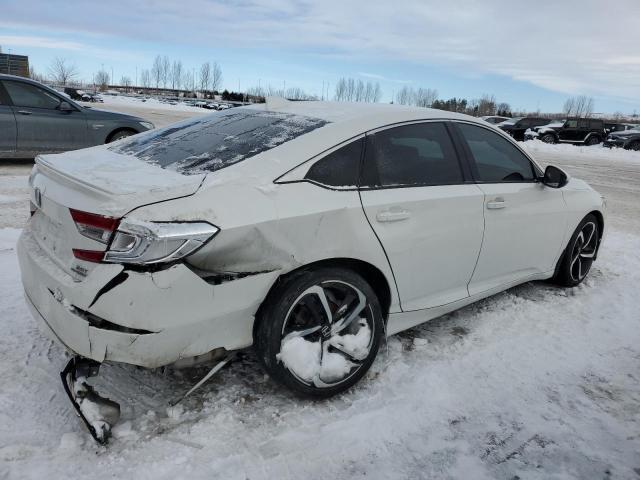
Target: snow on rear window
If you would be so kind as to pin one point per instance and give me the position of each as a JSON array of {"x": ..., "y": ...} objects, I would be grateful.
[{"x": 210, "y": 143}]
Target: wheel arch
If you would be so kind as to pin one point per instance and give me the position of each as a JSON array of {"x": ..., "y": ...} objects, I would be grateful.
[
  {"x": 118, "y": 130},
  {"x": 600, "y": 219},
  {"x": 372, "y": 274}
]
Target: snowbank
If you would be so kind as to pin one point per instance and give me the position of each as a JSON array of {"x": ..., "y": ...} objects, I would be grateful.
[{"x": 581, "y": 151}]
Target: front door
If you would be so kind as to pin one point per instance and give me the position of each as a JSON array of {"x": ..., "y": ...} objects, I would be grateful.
[
  {"x": 525, "y": 221},
  {"x": 41, "y": 125},
  {"x": 428, "y": 220}
]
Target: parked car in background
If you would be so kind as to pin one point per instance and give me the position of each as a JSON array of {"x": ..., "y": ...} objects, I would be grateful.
[
  {"x": 435, "y": 210},
  {"x": 37, "y": 119},
  {"x": 620, "y": 127},
  {"x": 542, "y": 132},
  {"x": 584, "y": 131},
  {"x": 494, "y": 119},
  {"x": 517, "y": 126},
  {"x": 627, "y": 139}
]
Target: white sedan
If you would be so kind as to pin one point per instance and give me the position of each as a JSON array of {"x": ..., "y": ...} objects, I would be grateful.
[{"x": 308, "y": 230}]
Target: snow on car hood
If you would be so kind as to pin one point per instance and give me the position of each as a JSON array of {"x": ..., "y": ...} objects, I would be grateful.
[{"x": 112, "y": 183}]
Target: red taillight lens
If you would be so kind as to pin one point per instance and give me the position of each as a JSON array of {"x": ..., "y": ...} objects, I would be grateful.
[
  {"x": 93, "y": 226},
  {"x": 88, "y": 255}
]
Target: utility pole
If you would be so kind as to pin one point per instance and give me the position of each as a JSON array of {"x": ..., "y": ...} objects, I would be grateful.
[
  {"x": 112, "y": 82},
  {"x": 136, "y": 84}
]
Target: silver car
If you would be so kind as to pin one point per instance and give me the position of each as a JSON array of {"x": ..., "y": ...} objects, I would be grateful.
[{"x": 36, "y": 119}]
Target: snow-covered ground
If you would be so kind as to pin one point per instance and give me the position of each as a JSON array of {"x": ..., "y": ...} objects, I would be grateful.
[{"x": 537, "y": 382}]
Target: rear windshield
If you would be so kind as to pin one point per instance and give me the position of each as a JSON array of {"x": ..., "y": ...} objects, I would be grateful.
[{"x": 213, "y": 142}]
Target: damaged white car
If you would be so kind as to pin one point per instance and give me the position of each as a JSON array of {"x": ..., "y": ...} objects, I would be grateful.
[{"x": 308, "y": 230}]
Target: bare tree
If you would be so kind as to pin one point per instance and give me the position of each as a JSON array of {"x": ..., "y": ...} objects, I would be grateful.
[
  {"x": 188, "y": 80},
  {"x": 61, "y": 71},
  {"x": 405, "y": 96},
  {"x": 102, "y": 80},
  {"x": 156, "y": 71},
  {"x": 126, "y": 83},
  {"x": 486, "y": 105},
  {"x": 216, "y": 76},
  {"x": 35, "y": 75},
  {"x": 176, "y": 75},
  {"x": 205, "y": 77},
  {"x": 424, "y": 97},
  {"x": 578, "y": 107},
  {"x": 145, "y": 78},
  {"x": 166, "y": 71}
]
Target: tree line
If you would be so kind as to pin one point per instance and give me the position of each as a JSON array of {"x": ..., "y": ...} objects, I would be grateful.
[{"x": 167, "y": 74}]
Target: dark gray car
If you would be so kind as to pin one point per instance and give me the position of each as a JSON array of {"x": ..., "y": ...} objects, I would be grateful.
[{"x": 37, "y": 119}]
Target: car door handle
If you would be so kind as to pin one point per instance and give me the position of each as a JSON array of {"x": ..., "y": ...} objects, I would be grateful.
[
  {"x": 393, "y": 215},
  {"x": 25, "y": 112},
  {"x": 496, "y": 203}
]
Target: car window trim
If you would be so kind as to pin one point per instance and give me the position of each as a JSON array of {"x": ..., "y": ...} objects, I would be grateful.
[
  {"x": 466, "y": 176},
  {"x": 320, "y": 156},
  {"x": 537, "y": 170}
]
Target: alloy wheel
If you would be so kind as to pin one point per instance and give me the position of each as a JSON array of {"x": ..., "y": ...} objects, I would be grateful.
[
  {"x": 583, "y": 251},
  {"x": 334, "y": 323}
]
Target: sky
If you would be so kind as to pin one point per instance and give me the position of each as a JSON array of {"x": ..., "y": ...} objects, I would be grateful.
[{"x": 530, "y": 54}]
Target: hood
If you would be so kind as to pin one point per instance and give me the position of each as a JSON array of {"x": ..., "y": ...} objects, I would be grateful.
[{"x": 100, "y": 180}]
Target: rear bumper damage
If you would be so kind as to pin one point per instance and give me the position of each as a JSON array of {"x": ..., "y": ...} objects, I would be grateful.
[
  {"x": 148, "y": 319},
  {"x": 98, "y": 414}
]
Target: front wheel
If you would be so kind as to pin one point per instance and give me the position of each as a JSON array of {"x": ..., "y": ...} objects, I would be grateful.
[
  {"x": 548, "y": 138},
  {"x": 580, "y": 253},
  {"x": 635, "y": 146},
  {"x": 319, "y": 332},
  {"x": 119, "y": 135}
]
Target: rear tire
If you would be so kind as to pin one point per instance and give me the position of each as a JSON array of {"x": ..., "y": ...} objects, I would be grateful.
[
  {"x": 593, "y": 140},
  {"x": 296, "y": 312},
  {"x": 580, "y": 253}
]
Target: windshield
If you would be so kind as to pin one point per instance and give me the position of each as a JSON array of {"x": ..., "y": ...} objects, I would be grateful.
[{"x": 216, "y": 141}]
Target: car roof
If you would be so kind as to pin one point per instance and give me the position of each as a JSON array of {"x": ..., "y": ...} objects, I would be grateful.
[{"x": 355, "y": 118}]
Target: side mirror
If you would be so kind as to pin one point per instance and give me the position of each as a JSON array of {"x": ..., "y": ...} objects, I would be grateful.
[
  {"x": 65, "y": 107},
  {"x": 554, "y": 177}
]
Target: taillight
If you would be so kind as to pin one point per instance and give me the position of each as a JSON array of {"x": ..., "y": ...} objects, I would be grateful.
[
  {"x": 157, "y": 242},
  {"x": 96, "y": 227},
  {"x": 93, "y": 226}
]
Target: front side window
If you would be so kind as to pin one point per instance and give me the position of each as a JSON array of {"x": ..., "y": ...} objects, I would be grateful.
[
  {"x": 571, "y": 124},
  {"x": 411, "y": 155},
  {"x": 30, "y": 96},
  {"x": 340, "y": 168},
  {"x": 216, "y": 141},
  {"x": 495, "y": 159}
]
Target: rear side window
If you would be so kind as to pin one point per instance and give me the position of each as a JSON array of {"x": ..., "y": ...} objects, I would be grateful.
[
  {"x": 30, "y": 96},
  {"x": 411, "y": 155},
  {"x": 340, "y": 168},
  {"x": 495, "y": 159},
  {"x": 210, "y": 143}
]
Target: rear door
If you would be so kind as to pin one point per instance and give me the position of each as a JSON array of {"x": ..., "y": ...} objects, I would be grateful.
[
  {"x": 41, "y": 125},
  {"x": 525, "y": 221},
  {"x": 427, "y": 217},
  {"x": 7, "y": 126}
]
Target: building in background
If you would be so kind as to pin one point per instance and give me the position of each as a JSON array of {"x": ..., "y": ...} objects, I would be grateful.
[{"x": 14, "y": 64}]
